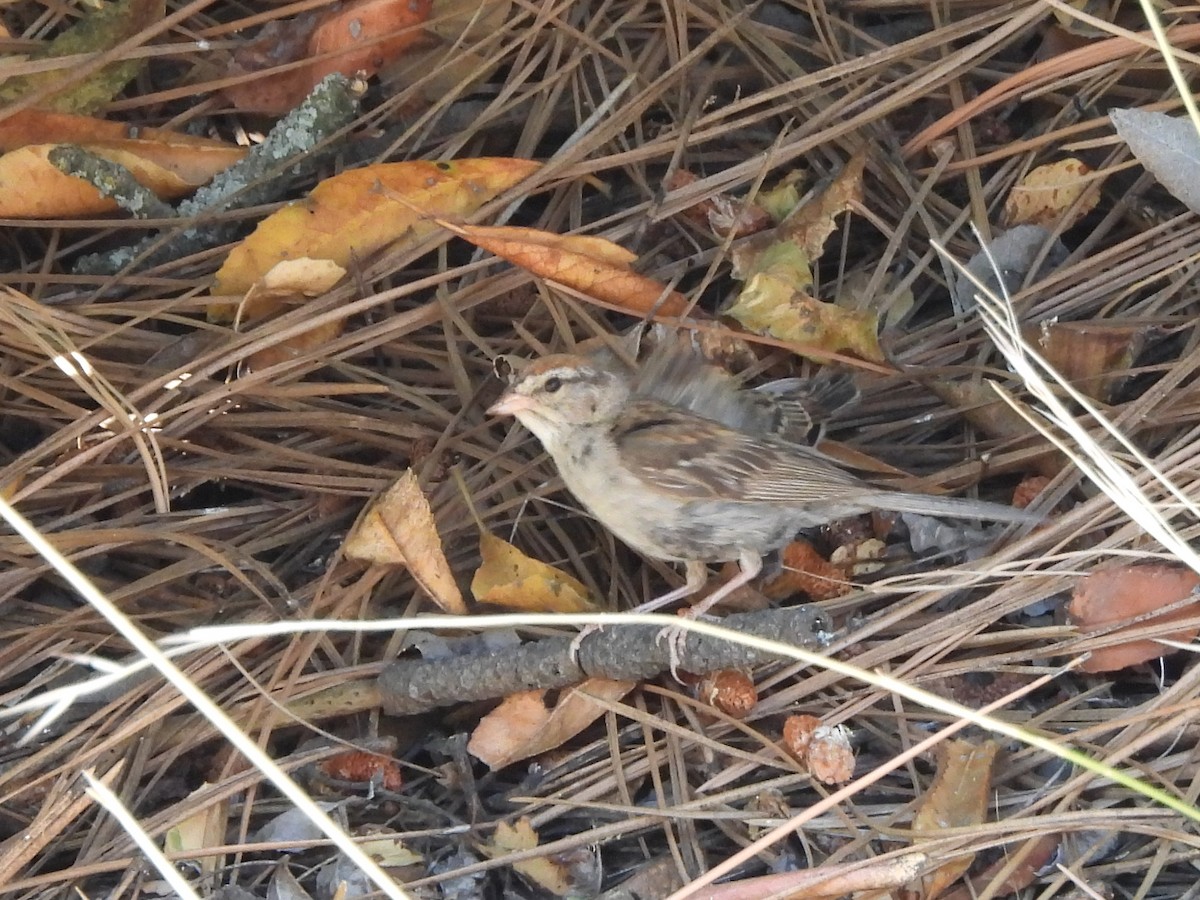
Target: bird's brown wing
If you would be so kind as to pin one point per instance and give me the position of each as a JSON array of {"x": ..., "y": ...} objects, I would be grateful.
[{"x": 693, "y": 458}]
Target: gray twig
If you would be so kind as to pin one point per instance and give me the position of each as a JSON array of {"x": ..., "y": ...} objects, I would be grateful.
[{"x": 622, "y": 652}]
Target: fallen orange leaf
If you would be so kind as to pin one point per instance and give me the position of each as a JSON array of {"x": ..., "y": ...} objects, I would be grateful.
[
  {"x": 958, "y": 798},
  {"x": 171, "y": 165},
  {"x": 591, "y": 265},
  {"x": 522, "y": 726},
  {"x": 353, "y": 215}
]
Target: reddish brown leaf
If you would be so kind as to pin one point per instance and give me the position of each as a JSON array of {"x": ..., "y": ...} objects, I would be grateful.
[
  {"x": 356, "y": 39},
  {"x": 1122, "y": 593},
  {"x": 590, "y": 265}
]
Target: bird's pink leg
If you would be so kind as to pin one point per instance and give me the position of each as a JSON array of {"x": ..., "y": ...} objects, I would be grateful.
[
  {"x": 749, "y": 564},
  {"x": 696, "y": 574}
]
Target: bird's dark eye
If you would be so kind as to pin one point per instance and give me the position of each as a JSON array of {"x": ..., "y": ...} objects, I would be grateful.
[{"x": 552, "y": 385}]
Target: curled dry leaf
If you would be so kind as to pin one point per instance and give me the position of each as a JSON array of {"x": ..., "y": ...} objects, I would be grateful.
[
  {"x": 507, "y": 577},
  {"x": 289, "y": 283},
  {"x": 777, "y": 269},
  {"x": 593, "y": 266},
  {"x": 958, "y": 798},
  {"x": 723, "y": 215},
  {"x": 522, "y": 726},
  {"x": 1092, "y": 356},
  {"x": 1048, "y": 192},
  {"x": 356, "y": 40},
  {"x": 398, "y": 529},
  {"x": 1123, "y": 593},
  {"x": 353, "y": 215}
]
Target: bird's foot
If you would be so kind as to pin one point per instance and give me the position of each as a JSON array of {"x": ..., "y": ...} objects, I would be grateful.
[
  {"x": 675, "y": 637},
  {"x": 577, "y": 641}
]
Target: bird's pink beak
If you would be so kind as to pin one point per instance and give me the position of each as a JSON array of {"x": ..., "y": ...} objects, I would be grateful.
[{"x": 509, "y": 404}]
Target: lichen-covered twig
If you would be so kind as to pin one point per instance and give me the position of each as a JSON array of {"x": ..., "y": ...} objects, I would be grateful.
[
  {"x": 111, "y": 179},
  {"x": 265, "y": 175},
  {"x": 621, "y": 652}
]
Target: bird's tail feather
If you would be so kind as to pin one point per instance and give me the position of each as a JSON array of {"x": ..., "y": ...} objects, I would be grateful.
[{"x": 952, "y": 507}]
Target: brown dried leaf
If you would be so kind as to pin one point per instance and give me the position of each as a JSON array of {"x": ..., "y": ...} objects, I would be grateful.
[
  {"x": 811, "y": 225},
  {"x": 398, "y": 529},
  {"x": 958, "y": 798},
  {"x": 1092, "y": 356},
  {"x": 507, "y": 577},
  {"x": 355, "y": 39},
  {"x": 522, "y": 726}
]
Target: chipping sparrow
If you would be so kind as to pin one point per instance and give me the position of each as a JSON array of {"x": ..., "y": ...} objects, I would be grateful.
[{"x": 679, "y": 485}]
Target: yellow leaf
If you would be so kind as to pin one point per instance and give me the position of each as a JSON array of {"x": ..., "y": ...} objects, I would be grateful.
[
  {"x": 543, "y": 871},
  {"x": 353, "y": 215},
  {"x": 507, "y": 577},
  {"x": 398, "y": 529},
  {"x": 770, "y": 305},
  {"x": 290, "y": 282},
  {"x": 1049, "y": 191}
]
